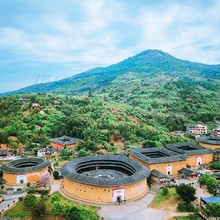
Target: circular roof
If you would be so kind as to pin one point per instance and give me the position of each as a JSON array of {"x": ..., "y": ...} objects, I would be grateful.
[
  {"x": 25, "y": 165},
  {"x": 210, "y": 140},
  {"x": 111, "y": 170}
]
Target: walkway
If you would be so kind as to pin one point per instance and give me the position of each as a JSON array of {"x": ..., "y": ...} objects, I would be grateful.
[
  {"x": 133, "y": 210},
  {"x": 9, "y": 200}
]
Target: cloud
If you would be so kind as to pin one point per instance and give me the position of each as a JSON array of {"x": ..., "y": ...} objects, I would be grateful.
[{"x": 78, "y": 35}]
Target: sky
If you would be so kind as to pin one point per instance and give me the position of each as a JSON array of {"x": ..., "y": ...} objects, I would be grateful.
[{"x": 47, "y": 40}]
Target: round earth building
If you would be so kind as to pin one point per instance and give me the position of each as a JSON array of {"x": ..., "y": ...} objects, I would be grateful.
[
  {"x": 105, "y": 179},
  {"x": 211, "y": 142},
  {"x": 27, "y": 170}
]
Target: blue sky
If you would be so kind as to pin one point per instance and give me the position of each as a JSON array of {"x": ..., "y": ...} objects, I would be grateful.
[{"x": 47, "y": 40}]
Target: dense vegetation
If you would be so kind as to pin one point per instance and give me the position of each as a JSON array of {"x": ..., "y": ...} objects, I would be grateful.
[
  {"x": 32, "y": 207},
  {"x": 137, "y": 101}
]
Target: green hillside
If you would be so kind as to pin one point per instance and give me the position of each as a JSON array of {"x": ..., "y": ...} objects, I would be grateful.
[
  {"x": 147, "y": 64},
  {"x": 137, "y": 101}
]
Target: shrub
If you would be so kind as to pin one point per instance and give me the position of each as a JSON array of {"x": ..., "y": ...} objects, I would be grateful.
[
  {"x": 43, "y": 192},
  {"x": 19, "y": 189},
  {"x": 31, "y": 191},
  {"x": 28, "y": 184},
  {"x": 186, "y": 207},
  {"x": 186, "y": 192},
  {"x": 165, "y": 191},
  {"x": 2, "y": 186},
  {"x": 56, "y": 175}
]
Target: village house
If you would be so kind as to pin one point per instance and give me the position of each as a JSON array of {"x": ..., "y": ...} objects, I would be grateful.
[
  {"x": 159, "y": 159},
  {"x": 158, "y": 177},
  {"x": 64, "y": 142},
  {"x": 47, "y": 152},
  {"x": 197, "y": 130},
  {"x": 187, "y": 173},
  {"x": 216, "y": 156},
  {"x": 4, "y": 154},
  {"x": 195, "y": 155},
  {"x": 216, "y": 131}
]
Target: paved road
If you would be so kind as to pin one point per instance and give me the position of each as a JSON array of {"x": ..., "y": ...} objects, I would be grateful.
[
  {"x": 9, "y": 200},
  {"x": 133, "y": 210}
]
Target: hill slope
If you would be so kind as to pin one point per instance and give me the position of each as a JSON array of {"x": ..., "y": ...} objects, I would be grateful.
[{"x": 147, "y": 64}]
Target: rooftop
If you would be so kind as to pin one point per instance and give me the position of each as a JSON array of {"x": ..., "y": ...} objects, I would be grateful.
[
  {"x": 187, "y": 148},
  {"x": 156, "y": 155},
  {"x": 25, "y": 165},
  {"x": 65, "y": 140},
  {"x": 158, "y": 174},
  {"x": 108, "y": 170},
  {"x": 187, "y": 171},
  {"x": 213, "y": 199},
  {"x": 210, "y": 140}
]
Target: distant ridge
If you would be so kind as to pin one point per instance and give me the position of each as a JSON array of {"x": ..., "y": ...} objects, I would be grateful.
[{"x": 149, "y": 63}]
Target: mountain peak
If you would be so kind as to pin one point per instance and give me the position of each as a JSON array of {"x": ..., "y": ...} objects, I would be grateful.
[{"x": 154, "y": 54}]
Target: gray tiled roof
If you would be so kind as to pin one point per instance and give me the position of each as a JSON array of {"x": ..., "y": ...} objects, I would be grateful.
[
  {"x": 210, "y": 140},
  {"x": 11, "y": 166},
  {"x": 3, "y": 152},
  {"x": 171, "y": 156},
  {"x": 139, "y": 172},
  {"x": 158, "y": 174},
  {"x": 187, "y": 171},
  {"x": 65, "y": 140},
  {"x": 195, "y": 149}
]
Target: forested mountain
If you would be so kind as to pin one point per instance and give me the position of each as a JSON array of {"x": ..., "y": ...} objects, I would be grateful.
[
  {"x": 137, "y": 101},
  {"x": 147, "y": 64}
]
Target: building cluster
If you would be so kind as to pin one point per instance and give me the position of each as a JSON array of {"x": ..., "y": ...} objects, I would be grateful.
[
  {"x": 199, "y": 130},
  {"x": 116, "y": 178},
  {"x": 172, "y": 160}
]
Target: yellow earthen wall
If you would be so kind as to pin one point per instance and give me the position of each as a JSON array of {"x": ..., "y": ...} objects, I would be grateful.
[
  {"x": 31, "y": 177},
  {"x": 192, "y": 159},
  {"x": 176, "y": 165},
  {"x": 210, "y": 146},
  {"x": 60, "y": 146},
  {"x": 98, "y": 194}
]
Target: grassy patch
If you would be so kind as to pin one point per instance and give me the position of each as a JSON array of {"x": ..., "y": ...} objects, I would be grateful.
[
  {"x": 190, "y": 217},
  {"x": 20, "y": 213},
  {"x": 17, "y": 212},
  {"x": 163, "y": 201}
]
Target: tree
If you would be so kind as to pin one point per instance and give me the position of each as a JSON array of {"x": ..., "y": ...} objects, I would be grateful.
[
  {"x": 213, "y": 209},
  {"x": 215, "y": 165},
  {"x": 29, "y": 201},
  {"x": 45, "y": 180},
  {"x": 56, "y": 174},
  {"x": 57, "y": 208},
  {"x": 55, "y": 198},
  {"x": 40, "y": 207},
  {"x": 165, "y": 191},
  {"x": 83, "y": 152},
  {"x": 66, "y": 153},
  {"x": 186, "y": 192},
  {"x": 209, "y": 181},
  {"x": 73, "y": 214}
]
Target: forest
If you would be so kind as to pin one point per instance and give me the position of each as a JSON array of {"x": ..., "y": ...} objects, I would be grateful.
[{"x": 138, "y": 114}]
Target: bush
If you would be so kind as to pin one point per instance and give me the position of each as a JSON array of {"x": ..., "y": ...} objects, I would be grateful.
[
  {"x": 19, "y": 189},
  {"x": 2, "y": 186},
  {"x": 28, "y": 184},
  {"x": 56, "y": 175},
  {"x": 31, "y": 191},
  {"x": 43, "y": 192},
  {"x": 186, "y": 207},
  {"x": 215, "y": 165},
  {"x": 165, "y": 191},
  {"x": 186, "y": 192}
]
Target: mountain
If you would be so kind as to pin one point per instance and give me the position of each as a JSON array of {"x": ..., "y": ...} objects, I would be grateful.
[
  {"x": 137, "y": 101},
  {"x": 147, "y": 64}
]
